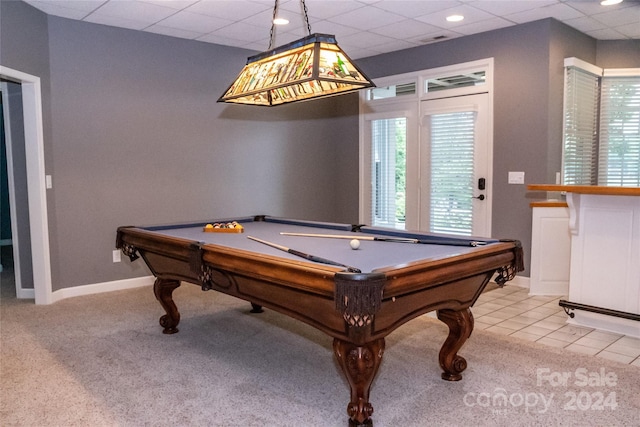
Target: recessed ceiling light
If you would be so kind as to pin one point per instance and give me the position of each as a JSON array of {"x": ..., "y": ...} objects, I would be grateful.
[
  {"x": 610, "y": 2},
  {"x": 281, "y": 21},
  {"x": 455, "y": 18}
]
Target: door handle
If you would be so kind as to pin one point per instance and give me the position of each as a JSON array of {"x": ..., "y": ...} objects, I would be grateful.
[{"x": 480, "y": 197}]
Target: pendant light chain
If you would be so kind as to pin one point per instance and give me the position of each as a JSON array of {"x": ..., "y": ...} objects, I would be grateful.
[
  {"x": 306, "y": 16},
  {"x": 272, "y": 35}
]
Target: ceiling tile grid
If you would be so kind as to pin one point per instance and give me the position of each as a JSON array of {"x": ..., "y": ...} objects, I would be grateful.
[{"x": 362, "y": 27}]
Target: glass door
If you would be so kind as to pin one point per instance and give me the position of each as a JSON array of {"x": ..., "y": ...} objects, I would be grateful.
[
  {"x": 390, "y": 164},
  {"x": 455, "y": 187}
]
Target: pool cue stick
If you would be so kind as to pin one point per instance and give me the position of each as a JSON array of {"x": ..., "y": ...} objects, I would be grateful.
[
  {"x": 346, "y": 236},
  {"x": 445, "y": 242},
  {"x": 304, "y": 255}
]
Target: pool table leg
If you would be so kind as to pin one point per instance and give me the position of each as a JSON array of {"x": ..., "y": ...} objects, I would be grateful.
[
  {"x": 460, "y": 323},
  {"x": 255, "y": 308},
  {"x": 360, "y": 365},
  {"x": 163, "y": 289}
]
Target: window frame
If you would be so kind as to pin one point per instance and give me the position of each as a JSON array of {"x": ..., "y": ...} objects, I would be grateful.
[{"x": 600, "y": 74}]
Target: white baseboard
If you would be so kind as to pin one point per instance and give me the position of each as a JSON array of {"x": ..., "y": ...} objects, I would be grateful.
[
  {"x": 520, "y": 282},
  {"x": 116, "y": 285},
  {"x": 604, "y": 322}
]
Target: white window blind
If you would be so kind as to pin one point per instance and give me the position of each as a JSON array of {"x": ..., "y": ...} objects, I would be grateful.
[
  {"x": 452, "y": 150},
  {"x": 601, "y": 137},
  {"x": 580, "y": 126},
  {"x": 619, "y": 154},
  {"x": 388, "y": 172}
]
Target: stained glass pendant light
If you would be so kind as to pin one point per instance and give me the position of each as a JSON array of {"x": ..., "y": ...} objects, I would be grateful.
[{"x": 311, "y": 67}]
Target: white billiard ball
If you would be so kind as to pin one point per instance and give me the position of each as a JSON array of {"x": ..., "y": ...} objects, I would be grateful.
[{"x": 355, "y": 244}]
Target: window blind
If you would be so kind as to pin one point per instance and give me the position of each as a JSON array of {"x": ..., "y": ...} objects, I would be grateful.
[
  {"x": 452, "y": 150},
  {"x": 388, "y": 172},
  {"x": 580, "y": 127},
  {"x": 619, "y": 146}
]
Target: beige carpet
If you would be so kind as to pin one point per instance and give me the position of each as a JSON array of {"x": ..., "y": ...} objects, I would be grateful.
[{"x": 102, "y": 360}]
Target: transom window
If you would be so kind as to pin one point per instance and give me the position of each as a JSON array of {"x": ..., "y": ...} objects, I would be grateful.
[
  {"x": 392, "y": 91},
  {"x": 455, "y": 81}
]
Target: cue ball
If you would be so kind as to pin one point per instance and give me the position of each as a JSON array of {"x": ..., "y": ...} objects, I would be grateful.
[{"x": 355, "y": 244}]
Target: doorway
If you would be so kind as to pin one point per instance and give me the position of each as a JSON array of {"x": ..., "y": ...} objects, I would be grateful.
[
  {"x": 455, "y": 190},
  {"x": 29, "y": 90},
  {"x": 6, "y": 248},
  {"x": 426, "y": 150}
]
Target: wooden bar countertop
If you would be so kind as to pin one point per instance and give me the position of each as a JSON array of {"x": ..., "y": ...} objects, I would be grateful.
[{"x": 587, "y": 189}]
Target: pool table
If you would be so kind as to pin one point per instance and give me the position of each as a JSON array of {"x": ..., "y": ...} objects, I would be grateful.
[{"x": 358, "y": 298}]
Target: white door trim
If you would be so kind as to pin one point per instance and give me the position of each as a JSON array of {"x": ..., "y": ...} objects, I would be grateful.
[
  {"x": 483, "y": 155},
  {"x": 34, "y": 149}
]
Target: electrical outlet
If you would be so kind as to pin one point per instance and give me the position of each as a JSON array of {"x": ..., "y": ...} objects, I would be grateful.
[{"x": 117, "y": 256}]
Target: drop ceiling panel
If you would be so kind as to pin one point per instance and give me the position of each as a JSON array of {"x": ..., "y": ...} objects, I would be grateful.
[{"x": 388, "y": 25}]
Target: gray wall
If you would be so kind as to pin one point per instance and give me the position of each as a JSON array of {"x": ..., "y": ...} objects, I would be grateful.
[
  {"x": 24, "y": 47},
  {"x": 528, "y": 90},
  {"x": 137, "y": 137},
  {"x": 618, "y": 54},
  {"x": 133, "y": 134}
]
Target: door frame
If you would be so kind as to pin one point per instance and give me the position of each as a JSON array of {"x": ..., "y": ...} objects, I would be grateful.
[
  {"x": 36, "y": 185},
  {"x": 420, "y": 78}
]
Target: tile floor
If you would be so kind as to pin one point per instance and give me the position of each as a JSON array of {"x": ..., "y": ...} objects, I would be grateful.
[{"x": 512, "y": 311}]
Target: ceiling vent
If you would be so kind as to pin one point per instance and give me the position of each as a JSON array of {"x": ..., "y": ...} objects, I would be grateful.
[{"x": 433, "y": 39}]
